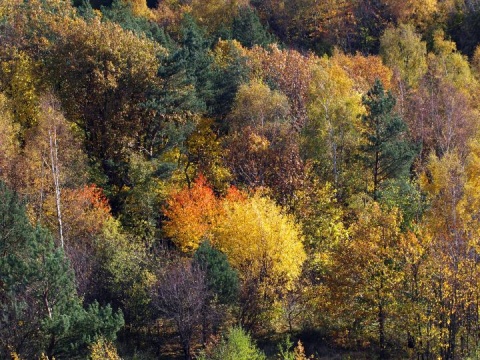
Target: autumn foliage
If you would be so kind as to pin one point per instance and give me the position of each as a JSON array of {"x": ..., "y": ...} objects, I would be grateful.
[{"x": 304, "y": 167}]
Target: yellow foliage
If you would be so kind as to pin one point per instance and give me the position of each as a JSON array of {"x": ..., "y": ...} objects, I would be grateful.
[
  {"x": 205, "y": 156},
  {"x": 256, "y": 105},
  {"x": 103, "y": 350},
  {"x": 289, "y": 70},
  {"x": 226, "y": 51},
  {"x": 140, "y": 8},
  {"x": 403, "y": 50},
  {"x": 299, "y": 352},
  {"x": 260, "y": 240},
  {"x": 257, "y": 237},
  {"x": 18, "y": 76},
  {"x": 334, "y": 108},
  {"x": 214, "y": 13},
  {"x": 442, "y": 175},
  {"x": 447, "y": 63},
  {"x": 7, "y": 8},
  {"x": 9, "y": 132},
  {"x": 369, "y": 271},
  {"x": 364, "y": 70}
]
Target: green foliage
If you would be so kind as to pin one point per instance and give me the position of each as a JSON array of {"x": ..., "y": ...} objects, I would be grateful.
[
  {"x": 195, "y": 58},
  {"x": 39, "y": 307},
  {"x": 248, "y": 29},
  {"x": 284, "y": 352},
  {"x": 235, "y": 345},
  {"x": 402, "y": 49},
  {"x": 221, "y": 279},
  {"x": 73, "y": 328},
  {"x": 386, "y": 154},
  {"x": 226, "y": 80},
  {"x": 124, "y": 272},
  {"x": 121, "y": 12},
  {"x": 405, "y": 195},
  {"x": 123, "y": 72},
  {"x": 155, "y": 98},
  {"x": 141, "y": 199}
]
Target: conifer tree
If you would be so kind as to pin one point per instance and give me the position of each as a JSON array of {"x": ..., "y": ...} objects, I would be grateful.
[
  {"x": 387, "y": 153},
  {"x": 40, "y": 311}
]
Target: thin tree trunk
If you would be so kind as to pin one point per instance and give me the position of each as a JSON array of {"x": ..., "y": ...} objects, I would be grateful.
[
  {"x": 381, "y": 330},
  {"x": 52, "y": 134}
]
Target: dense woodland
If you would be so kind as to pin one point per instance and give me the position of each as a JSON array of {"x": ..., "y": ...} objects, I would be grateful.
[{"x": 239, "y": 179}]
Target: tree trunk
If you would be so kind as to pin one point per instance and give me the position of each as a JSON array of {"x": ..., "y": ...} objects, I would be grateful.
[
  {"x": 381, "y": 331},
  {"x": 52, "y": 134}
]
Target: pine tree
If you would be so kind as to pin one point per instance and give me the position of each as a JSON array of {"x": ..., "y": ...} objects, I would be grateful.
[
  {"x": 221, "y": 279},
  {"x": 248, "y": 29},
  {"x": 40, "y": 310},
  {"x": 387, "y": 153}
]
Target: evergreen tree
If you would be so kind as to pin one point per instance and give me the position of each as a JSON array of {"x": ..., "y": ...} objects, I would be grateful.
[
  {"x": 248, "y": 29},
  {"x": 195, "y": 58},
  {"x": 387, "y": 153},
  {"x": 40, "y": 310},
  {"x": 121, "y": 12},
  {"x": 221, "y": 279},
  {"x": 226, "y": 81}
]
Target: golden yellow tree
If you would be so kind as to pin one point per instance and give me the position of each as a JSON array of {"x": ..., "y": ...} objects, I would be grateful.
[
  {"x": 265, "y": 245},
  {"x": 332, "y": 129},
  {"x": 368, "y": 273},
  {"x": 9, "y": 142}
]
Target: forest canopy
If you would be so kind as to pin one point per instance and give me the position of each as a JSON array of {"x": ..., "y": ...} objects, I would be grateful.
[{"x": 239, "y": 179}]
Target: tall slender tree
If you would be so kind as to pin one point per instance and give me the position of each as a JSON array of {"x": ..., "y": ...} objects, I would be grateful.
[{"x": 386, "y": 152}]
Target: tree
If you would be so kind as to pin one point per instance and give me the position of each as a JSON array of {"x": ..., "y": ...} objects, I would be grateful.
[
  {"x": 230, "y": 71},
  {"x": 131, "y": 16},
  {"x": 236, "y": 344},
  {"x": 261, "y": 242},
  {"x": 39, "y": 307},
  {"x": 258, "y": 106},
  {"x": 20, "y": 83},
  {"x": 330, "y": 137},
  {"x": 263, "y": 149},
  {"x": 222, "y": 280},
  {"x": 103, "y": 350},
  {"x": 180, "y": 295},
  {"x": 364, "y": 70},
  {"x": 374, "y": 275},
  {"x": 443, "y": 187},
  {"x": 223, "y": 286},
  {"x": 205, "y": 156},
  {"x": 386, "y": 152},
  {"x": 119, "y": 70},
  {"x": 51, "y": 173},
  {"x": 286, "y": 70},
  {"x": 441, "y": 118},
  {"x": 248, "y": 30},
  {"x": 192, "y": 214},
  {"x": 404, "y": 51},
  {"x": 216, "y": 15},
  {"x": 85, "y": 213},
  {"x": 9, "y": 139},
  {"x": 265, "y": 246},
  {"x": 446, "y": 63},
  {"x": 125, "y": 273},
  {"x": 195, "y": 58}
]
